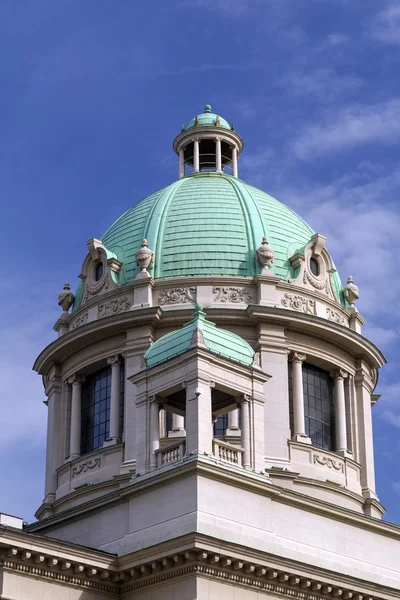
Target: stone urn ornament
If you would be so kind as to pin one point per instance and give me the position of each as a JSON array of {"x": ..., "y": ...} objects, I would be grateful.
[
  {"x": 66, "y": 298},
  {"x": 265, "y": 255},
  {"x": 144, "y": 258},
  {"x": 351, "y": 291}
]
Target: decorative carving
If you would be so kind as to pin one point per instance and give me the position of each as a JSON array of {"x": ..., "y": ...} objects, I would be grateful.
[
  {"x": 76, "y": 379},
  {"x": 351, "y": 291},
  {"x": 333, "y": 315},
  {"x": 300, "y": 303},
  {"x": 82, "y": 320},
  {"x": 235, "y": 295},
  {"x": 114, "y": 306},
  {"x": 265, "y": 255},
  {"x": 297, "y": 357},
  {"x": 198, "y": 338},
  {"x": 66, "y": 298},
  {"x": 257, "y": 360},
  {"x": 179, "y": 295},
  {"x": 85, "y": 466},
  {"x": 93, "y": 290},
  {"x": 329, "y": 462},
  {"x": 113, "y": 360},
  {"x": 323, "y": 285},
  {"x": 144, "y": 256},
  {"x": 339, "y": 374}
]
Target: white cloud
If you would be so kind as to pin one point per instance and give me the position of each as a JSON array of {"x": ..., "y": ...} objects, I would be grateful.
[
  {"x": 392, "y": 418},
  {"x": 323, "y": 83},
  {"x": 385, "y": 25},
  {"x": 352, "y": 126}
]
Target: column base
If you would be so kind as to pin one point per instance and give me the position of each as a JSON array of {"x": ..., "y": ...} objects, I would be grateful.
[
  {"x": 302, "y": 438},
  {"x": 177, "y": 433},
  {"x": 73, "y": 456},
  {"x": 111, "y": 442},
  {"x": 344, "y": 452},
  {"x": 233, "y": 432}
]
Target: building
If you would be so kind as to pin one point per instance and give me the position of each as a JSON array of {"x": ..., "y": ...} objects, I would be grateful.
[{"x": 209, "y": 409}]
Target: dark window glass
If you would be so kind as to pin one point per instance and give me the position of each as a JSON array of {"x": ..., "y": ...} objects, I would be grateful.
[
  {"x": 220, "y": 425},
  {"x": 99, "y": 271},
  {"x": 96, "y": 397},
  {"x": 318, "y": 406},
  {"x": 314, "y": 266},
  {"x": 168, "y": 422}
]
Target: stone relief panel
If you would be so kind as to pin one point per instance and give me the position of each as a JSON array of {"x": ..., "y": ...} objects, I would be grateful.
[
  {"x": 333, "y": 315},
  {"x": 94, "y": 289},
  {"x": 337, "y": 465},
  {"x": 83, "y": 467},
  {"x": 296, "y": 302},
  {"x": 179, "y": 295},
  {"x": 114, "y": 306},
  {"x": 234, "y": 295},
  {"x": 81, "y": 320}
]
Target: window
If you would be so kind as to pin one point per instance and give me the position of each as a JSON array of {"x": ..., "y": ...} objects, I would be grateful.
[
  {"x": 314, "y": 266},
  {"x": 221, "y": 425},
  {"x": 99, "y": 271},
  {"x": 96, "y": 397},
  {"x": 318, "y": 406}
]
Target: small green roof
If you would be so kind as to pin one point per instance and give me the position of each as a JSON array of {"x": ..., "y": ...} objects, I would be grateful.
[
  {"x": 202, "y": 333},
  {"x": 207, "y": 118}
]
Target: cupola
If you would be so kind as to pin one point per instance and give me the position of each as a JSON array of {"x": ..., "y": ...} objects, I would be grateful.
[{"x": 208, "y": 143}]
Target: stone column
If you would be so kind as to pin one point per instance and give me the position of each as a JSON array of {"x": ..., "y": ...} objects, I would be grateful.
[
  {"x": 199, "y": 429},
  {"x": 154, "y": 431},
  {"x": 53, "y": 393},
  {"x": 76, "y": 416},
  {"x": 115, "y": 363},
  {"x": 196, "y": 156},
  {"x": 234, "y": 162},
  {"x": 178, "y": 426},
  {"x": 245, "y": 405},
  {"x": 218, "y": 157},
  {"x": 340, "y": 411},
  {"x": 299, "y": 434},
  {"x": 233, "y": 424},
  {"x": 181, "y": 163}
]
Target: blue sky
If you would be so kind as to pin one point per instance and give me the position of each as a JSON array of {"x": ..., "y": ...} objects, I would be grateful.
[{"x": 92, "y": 95}]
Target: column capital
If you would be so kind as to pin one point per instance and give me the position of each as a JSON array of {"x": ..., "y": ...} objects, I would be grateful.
[
  {"x": 113, "y": 360},
  {"x": 74, "y": 379},
  {"x": 297, "y": 357},
  {"x": 245, "y": 399},
  {"x": 153, "y": 399},
  {"x": 339, "y": 374}
]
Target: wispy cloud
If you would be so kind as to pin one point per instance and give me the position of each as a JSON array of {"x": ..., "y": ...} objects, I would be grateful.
[
  {"x": 323, "y": 83},
  {"x": 351, "y": 126},
  {"x": 385, "y": 25}
]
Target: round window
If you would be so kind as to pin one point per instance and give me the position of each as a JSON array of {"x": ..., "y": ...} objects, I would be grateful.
[
  {"x": 99, "y": 271},
  {"x": 314, "y": 266}
]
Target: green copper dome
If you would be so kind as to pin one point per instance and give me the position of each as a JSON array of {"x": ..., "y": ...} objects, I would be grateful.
[
  {"x": 207, "y": 118},
  {"x": 202, "y": 333}
]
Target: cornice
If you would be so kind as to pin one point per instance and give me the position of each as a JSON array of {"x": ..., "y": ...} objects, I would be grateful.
[{"x": 191, "y": 554}]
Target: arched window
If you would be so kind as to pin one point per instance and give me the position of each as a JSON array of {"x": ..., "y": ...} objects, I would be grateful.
[
  {"x": 314, "y": 266},
  {"x": 96, "y": 398},
  {"x": 221, "y": 425},
  {"x": 99, "y": 271},
  {"x": 318, "y": 406}
]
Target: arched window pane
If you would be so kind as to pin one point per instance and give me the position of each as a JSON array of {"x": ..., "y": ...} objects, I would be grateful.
[
  {"x": 318, "y": 406},
  {"x": 99, "y": 271},
  {"x": 314, "y": 266}
]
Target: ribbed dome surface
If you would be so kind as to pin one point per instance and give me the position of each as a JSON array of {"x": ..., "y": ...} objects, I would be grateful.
[
  {"x": 208, "y": 224},
  {"x": 207, "y": 118}
]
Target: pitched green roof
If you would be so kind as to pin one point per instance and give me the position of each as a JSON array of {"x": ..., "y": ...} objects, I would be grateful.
[
  {"x": 219, "y": 341},
  {"x": 207, "y": 118}
]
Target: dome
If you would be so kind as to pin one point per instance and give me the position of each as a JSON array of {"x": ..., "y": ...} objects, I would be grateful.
[
  {"x": 219, "y": 341},
  {"x": 207, "y": 118},
  {"x": 208, "y": 224}
]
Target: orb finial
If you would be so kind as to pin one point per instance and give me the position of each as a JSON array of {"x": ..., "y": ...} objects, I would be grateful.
[
  {"x": 66, "y": 298},
  {"x": 207, "y": 108}
]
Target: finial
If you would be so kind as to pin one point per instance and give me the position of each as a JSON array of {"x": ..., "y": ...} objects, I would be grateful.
[
  {"x": 351, "y": 291},
  {"x": 144, "y": 258},
  {"x": 198, "y": 312},
  {"x": 66, "y": 298},
  {"x": 217, "y": 121},
  {"x": 232, "y": 127},
  {"x": 196, "y": 121},
  {"x": 207, "y": 108},
  {"x": 183, "y": 128},
  {"x": 265, "y": 256}
]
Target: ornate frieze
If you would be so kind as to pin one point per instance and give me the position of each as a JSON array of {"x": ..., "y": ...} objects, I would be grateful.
[
  {"x": 114, "y": 306},
  {"x": 296, "y": 302},
  {"x": 179, "y": 295},
  {"x": 81, "y": 320},
  {"x": 329, "y": 462},
  {"x": 333, "y": 315},
  {"x": 235, "y": 295},
  {"x": 83, "y": 467}
]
